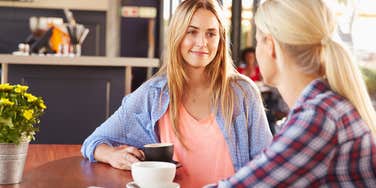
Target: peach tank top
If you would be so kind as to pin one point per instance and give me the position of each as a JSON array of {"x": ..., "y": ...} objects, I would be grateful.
[{"x": 208, "y": 159}]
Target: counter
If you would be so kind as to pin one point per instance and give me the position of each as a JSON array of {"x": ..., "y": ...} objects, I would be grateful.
[{"x": 127, "y": 62}]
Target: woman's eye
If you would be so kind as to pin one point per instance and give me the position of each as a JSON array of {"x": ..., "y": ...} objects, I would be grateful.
[
  {"x": 211, "y": 34},
  {"x": 191, "y": 32}
]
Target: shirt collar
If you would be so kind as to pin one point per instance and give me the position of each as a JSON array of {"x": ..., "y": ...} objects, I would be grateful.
[
  {"x": 160, "y": 82},
  {"x": 313, "y": 89}
]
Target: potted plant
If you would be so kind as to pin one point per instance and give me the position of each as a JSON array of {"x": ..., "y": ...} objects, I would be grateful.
[{"x": 19, "y": 115}]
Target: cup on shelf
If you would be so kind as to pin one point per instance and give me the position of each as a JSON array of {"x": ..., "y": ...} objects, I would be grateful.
[{"x": 75, "y": 49}]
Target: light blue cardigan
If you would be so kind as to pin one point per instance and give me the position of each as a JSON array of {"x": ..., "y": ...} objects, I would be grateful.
[{"x": 134, "y": 123}]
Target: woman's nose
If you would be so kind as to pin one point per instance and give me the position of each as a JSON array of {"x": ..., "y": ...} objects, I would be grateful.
[{"x": 201, "y": 40}]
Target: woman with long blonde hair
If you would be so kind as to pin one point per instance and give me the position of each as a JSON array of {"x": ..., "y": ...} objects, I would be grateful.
[
  {"x": 197, "y": 101},
  {"x": 328, "y": 138}
]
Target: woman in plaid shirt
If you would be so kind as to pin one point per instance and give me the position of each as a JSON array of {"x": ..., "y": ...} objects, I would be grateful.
[{"x": 328, "y": 138}]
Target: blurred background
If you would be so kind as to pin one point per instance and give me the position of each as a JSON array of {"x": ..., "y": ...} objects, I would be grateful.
[{"x": 115, "y": 26}]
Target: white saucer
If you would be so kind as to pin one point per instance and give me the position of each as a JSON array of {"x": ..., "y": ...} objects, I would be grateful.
[{"x": 170, "y": 185}]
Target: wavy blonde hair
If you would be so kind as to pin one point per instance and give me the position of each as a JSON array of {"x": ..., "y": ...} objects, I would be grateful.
[
  {"x": 305, "y": 29},
  {"x": 220, "y": 71}
]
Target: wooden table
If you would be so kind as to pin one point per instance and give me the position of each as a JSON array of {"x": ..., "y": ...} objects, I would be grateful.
[{"x": 63, "y": 166}]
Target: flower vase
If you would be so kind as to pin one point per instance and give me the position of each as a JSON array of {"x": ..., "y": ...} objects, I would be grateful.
[{"x": 12, "y": 161}]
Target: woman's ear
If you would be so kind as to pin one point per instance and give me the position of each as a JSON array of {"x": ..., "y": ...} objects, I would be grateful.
[{"x": 271, "y": 48}]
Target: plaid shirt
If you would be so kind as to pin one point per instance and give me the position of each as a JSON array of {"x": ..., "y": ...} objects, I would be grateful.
[{"x": 324, "y": 143}]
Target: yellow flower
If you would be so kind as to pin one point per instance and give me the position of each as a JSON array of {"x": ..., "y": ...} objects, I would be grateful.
[
  {"x": 6, "y": 87},
  {"x": 30, "y": 97},
  {"x": 6, "y": 101},
  {"x": 42, "y": 105},
  {"x": 23, "y": 88},
  {"x": 20, "y": 88},
  {"x": 17, "y": 90},
  {"x": 28, "y": 114}
]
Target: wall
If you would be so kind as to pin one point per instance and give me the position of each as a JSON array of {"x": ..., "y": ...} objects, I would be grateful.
[{"x": 134, "y": 38}]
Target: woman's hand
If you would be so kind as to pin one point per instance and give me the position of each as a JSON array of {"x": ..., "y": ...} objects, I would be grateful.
[
  {"x": 121, "y": 157},
  {"x": 124, "y": 156}
]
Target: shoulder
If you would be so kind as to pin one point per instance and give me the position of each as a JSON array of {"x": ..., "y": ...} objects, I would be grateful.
[
  {"x": 332, "y": 104},
  {"x": 311, "y": 117},
  {"x": 246, "y": 94},
  {"x": 243, "y": 85},
  {"x": 319, "y": 96},
  {"x": 327, "y": 108}
]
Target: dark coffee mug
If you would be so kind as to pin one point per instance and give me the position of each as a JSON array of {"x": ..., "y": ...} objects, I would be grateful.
[{"x": 159, "y": 152}]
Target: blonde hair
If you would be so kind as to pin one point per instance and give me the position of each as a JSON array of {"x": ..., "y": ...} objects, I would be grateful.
[
  {"x": 305, "y": 30},
  {"x": 220, "y": 71}
]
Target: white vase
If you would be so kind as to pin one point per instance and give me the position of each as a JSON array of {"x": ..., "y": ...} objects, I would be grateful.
[{"x": 12, "y": 161}]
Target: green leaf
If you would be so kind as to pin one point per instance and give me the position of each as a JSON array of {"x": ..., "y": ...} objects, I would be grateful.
[{"x": 6, "y": 122}]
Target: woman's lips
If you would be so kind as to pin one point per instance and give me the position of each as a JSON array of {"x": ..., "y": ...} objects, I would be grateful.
[{"x": 199, "y": 53}]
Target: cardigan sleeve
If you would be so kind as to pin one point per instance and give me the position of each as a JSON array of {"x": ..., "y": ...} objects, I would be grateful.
[{"x": 130, "y": 124}]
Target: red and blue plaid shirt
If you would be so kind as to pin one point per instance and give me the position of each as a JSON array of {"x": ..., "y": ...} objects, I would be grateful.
[{"x": 324, "y": 143}]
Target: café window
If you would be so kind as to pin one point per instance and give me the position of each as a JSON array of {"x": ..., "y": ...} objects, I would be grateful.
[
  {"x": 246, "y": 24},
  {"x": 357, "y": 27}
]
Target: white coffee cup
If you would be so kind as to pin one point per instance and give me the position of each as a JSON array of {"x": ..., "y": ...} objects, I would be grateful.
[{"x": 153, "y": 174}]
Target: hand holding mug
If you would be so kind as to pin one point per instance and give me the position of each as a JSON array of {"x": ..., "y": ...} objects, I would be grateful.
[{"x": 122, "y": 157}]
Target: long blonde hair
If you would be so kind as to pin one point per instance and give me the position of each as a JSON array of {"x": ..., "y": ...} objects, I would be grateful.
[
  {"x": 220, "y": 71},
  {"x": 305, "y": 29}
]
